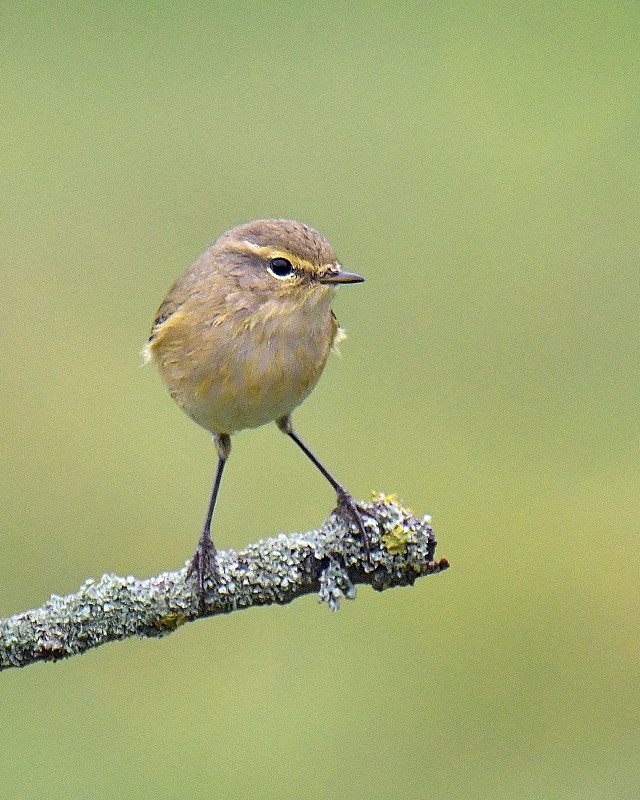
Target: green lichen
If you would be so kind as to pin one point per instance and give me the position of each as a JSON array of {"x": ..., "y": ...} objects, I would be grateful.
[
  {"x": 396, "y": 540},
  {"x": 170, "y": 622}
]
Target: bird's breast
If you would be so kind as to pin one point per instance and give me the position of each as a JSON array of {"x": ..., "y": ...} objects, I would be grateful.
[{"x": 246, "y": 368}]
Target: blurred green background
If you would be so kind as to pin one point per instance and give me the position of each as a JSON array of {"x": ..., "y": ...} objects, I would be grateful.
[{"x": 479, "y": 163}]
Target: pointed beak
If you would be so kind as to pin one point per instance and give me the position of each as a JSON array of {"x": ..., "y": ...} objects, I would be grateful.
[{"x": 339, "y": 275}]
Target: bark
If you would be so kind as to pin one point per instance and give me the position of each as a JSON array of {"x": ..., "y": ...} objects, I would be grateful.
[{"x": 330, "y": 561}]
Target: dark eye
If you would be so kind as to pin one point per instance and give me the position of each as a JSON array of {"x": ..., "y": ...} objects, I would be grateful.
[{"x": 280, "y": 267}]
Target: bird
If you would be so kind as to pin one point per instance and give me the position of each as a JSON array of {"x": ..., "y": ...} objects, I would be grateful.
[{"x": 241, "y": 339}]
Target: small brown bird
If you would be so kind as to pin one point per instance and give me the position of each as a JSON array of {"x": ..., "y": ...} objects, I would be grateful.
[{"x": 242, "y": 338}]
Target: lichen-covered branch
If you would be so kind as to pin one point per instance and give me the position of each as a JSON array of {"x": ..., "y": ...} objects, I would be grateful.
[{"x": 329, "y": 561}]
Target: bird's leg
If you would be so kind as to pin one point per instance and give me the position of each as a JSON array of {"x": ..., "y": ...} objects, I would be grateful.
[
  {"x": 347, "y": 506},
  {"x": 203, "y": 563}
]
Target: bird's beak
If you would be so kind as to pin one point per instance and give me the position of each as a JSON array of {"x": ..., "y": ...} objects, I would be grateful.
[{"x": 338, "y": 275}]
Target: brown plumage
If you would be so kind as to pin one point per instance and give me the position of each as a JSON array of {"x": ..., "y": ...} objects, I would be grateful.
[{"x": 242, "y": 338}]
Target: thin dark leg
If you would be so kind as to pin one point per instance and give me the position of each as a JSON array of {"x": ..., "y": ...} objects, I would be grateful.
[
  {"x": 206, "y": 530},
  {"x": 203, "y": 563},
  {"x": 347, "y": 506}
]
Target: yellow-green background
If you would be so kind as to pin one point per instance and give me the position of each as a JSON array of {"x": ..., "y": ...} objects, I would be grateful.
[{"x": 479, "y": 163}]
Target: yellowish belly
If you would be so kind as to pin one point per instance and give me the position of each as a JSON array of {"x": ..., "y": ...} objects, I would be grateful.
[
  {"x": 251, "y": 391},
  {"x": 228, "y": 383}
]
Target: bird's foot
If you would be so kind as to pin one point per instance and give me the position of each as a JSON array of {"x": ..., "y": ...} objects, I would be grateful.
[
  {"x": 350, "y": 512},
  {"x": 203, "y": 565}
]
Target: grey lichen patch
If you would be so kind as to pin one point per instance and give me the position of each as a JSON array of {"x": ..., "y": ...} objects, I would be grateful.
[
  {"x": 330, "y": 561},
  {"x": 335, "y": 584}
]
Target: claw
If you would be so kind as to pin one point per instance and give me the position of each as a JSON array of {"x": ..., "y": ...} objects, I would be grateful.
[
  {"x": 203, "y": 565},
  {"x": 351, "y": 512}
]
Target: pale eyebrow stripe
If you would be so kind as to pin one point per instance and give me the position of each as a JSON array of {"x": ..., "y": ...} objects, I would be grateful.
[
  {"x": 250, "y": 248},
  {"x": 245, "y": 247}
]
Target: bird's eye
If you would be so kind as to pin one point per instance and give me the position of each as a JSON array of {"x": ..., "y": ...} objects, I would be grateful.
[{"x": 280, "y": 267}]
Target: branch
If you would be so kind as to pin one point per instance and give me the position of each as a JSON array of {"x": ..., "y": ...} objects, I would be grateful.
[{"x": 329, "y": 561}]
